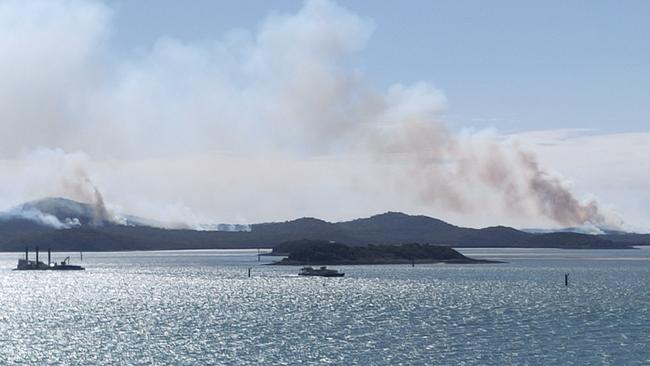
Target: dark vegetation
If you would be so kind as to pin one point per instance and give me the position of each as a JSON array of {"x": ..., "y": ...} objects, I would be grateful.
[
  {"x": 320, "y": 252},
  {"x": 390, "y": 228},
  {"x": 628, "y": 238}
]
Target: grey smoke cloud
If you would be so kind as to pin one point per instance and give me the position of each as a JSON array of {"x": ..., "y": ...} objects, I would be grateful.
[{"x": 249, "y": 126}]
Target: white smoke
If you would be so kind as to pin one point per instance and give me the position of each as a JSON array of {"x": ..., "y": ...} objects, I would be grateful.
[
  {"x": 250, "y": 126},
  {"x": 39, "y": 217}
]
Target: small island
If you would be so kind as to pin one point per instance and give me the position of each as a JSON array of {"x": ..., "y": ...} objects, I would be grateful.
[{"x": 321, "y": 252}]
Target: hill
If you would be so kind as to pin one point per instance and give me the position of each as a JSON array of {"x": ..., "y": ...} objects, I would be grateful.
[
  {"x": 84, "y": 232},
  {"x": 60, "y": 212}
]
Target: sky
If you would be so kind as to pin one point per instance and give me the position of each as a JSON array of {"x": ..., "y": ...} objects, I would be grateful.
[
  {"x": 523, "y": 114},
  {"x": 507, "y": 64}
]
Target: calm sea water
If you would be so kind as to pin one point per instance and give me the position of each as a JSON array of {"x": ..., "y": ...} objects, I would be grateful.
[{"x": 199, "y": 307}]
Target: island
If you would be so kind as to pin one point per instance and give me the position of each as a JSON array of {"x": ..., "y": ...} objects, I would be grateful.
[{"x": 321, "y": 252}]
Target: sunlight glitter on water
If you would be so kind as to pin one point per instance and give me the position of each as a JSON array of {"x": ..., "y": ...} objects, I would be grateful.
[{"x": 200, "y": 308}]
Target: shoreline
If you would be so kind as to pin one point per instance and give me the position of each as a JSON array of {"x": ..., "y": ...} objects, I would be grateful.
[
  {"x": 271, "y": 254},
  {"x": 285, "y": 262}
]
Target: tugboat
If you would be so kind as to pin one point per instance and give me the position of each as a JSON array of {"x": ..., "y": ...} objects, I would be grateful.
[
  {"x": 36, "y": 265},
  {"x": 322, "y": 272}
]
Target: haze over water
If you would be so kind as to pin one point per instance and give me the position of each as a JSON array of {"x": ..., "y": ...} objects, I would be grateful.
[{"x": 199, "y": 307}]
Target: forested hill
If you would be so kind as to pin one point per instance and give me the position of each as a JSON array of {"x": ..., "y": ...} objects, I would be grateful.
[{"x": 389, "y": 228}]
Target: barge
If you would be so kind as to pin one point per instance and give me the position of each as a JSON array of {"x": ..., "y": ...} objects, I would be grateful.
[{"x": 36, "y": 265}]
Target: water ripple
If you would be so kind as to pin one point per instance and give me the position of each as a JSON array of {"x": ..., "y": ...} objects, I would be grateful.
[{"x": 140, "y": 309}]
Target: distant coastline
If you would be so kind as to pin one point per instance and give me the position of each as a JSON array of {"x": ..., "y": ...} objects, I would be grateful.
[{"x": 18, "y": 231}]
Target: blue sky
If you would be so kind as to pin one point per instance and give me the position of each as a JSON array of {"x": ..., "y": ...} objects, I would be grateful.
[{"x": 512, "y": 65}]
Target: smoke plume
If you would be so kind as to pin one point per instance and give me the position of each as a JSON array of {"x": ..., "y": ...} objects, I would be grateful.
[
  {"x": 247, "y": 126},
  {"x": 52, "y": 173},
  {"x": 480, "y": 171}
]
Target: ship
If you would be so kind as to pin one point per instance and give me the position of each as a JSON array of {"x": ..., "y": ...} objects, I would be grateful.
[
  {"x": 322, "y": 272},
  {"x": 36, "y": 265}
]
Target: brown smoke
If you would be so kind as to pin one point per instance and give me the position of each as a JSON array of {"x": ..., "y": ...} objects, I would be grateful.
[
  {"x": 99, "y": 208},
  {"x": 468, "y": 173},
  {"x": 76, "y": 184},
  {"x": 556, "y": 201}
]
